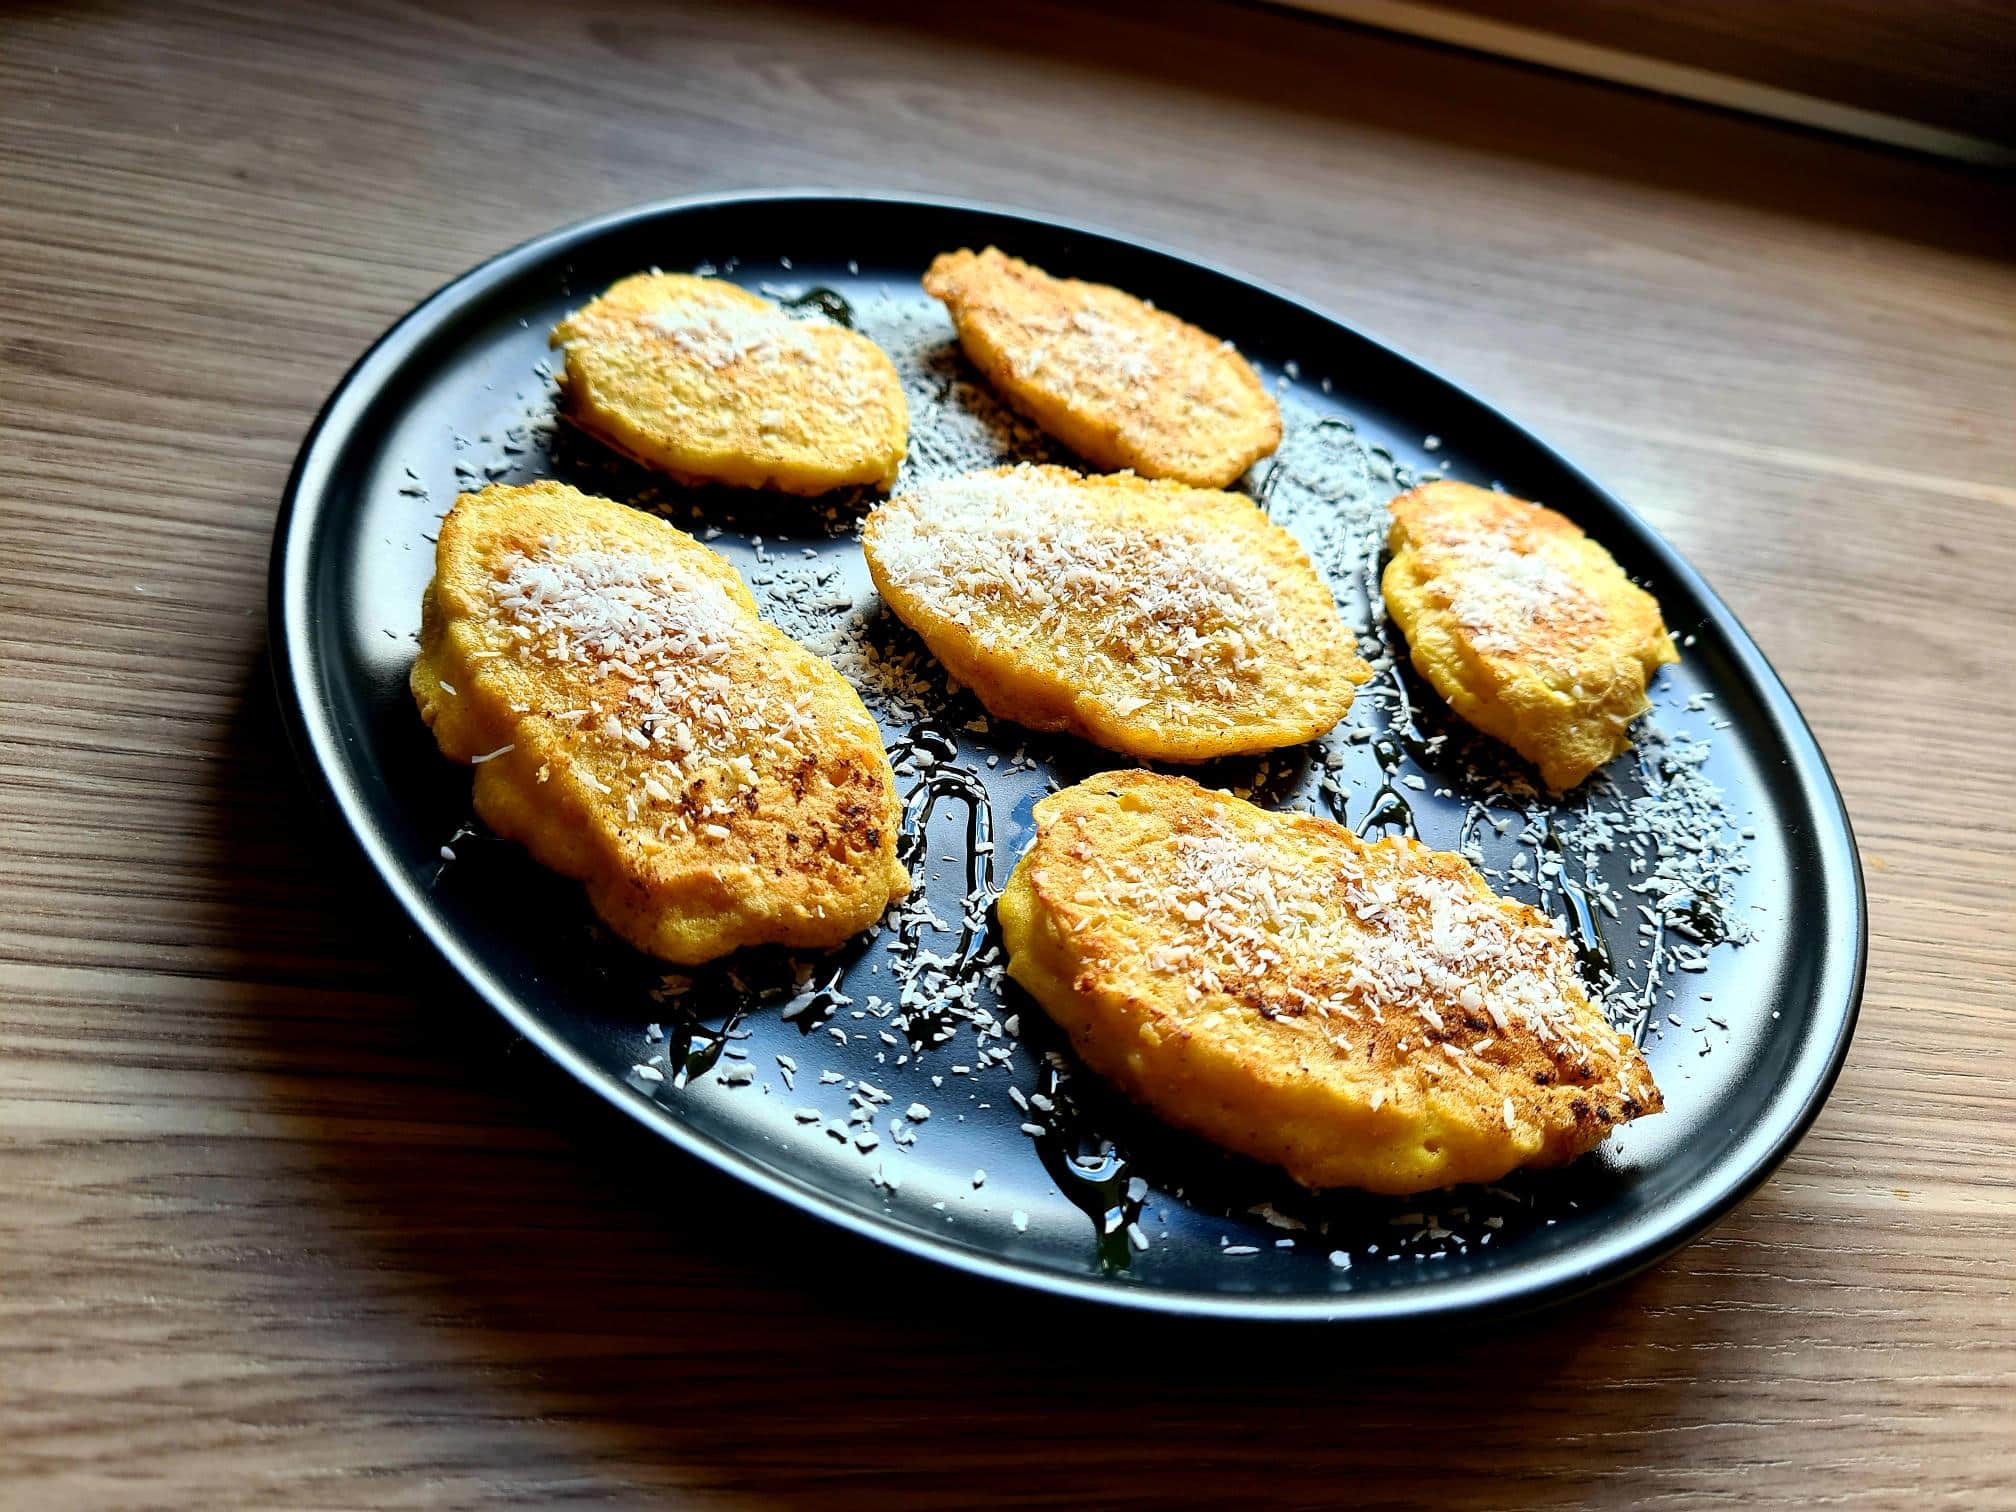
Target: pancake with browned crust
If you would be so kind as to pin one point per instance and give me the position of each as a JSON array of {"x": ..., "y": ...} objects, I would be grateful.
[
  {"x": 710, "y": 383},
  {"x": 1362, "y": 1015},
  {"x": 1121, "y": 383},
  {"x": 1527, "y": 627},
  {"x": 1165, "y": 622},
  {"x": 636, "y": 725}
]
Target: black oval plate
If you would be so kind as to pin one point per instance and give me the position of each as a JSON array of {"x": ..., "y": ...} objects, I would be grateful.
[{"x": 1745, "y": 1036}]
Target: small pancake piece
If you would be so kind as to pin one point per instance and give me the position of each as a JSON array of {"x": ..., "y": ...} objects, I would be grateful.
[
  {"x": 1361, "y": 1015},
  {"x": 710, "y": 383},
  {"x": 1121, "y": 383},
  {"x": 637, "y": 726},
  {"x": 1527, "y": 627},
  {"x": 1164, "y": 622}
]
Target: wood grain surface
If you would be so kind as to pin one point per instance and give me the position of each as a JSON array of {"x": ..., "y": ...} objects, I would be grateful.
[
  {"x": 1943, "y": 62},
  {"x": 285, "y": 1221}
]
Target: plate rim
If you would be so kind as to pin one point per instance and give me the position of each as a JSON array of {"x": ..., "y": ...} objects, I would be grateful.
[{"x": 317, "y": 743}]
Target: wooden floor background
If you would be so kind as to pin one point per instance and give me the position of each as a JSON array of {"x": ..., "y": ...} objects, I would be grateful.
[{"x": 283, "y": 1221}]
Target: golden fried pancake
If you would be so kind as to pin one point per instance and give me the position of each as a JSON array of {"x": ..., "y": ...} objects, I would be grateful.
[
  {"x": 1165, "y": 622},
  {"x": 711, "y": 383},
  {"x": 1527, "y": 627},
  {"x": 637, "y": 726},
  {"x": 1364, "y": 1015},
  {"x": 1121, "y": 383}
]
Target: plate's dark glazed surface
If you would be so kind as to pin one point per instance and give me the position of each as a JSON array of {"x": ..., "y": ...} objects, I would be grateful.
[{"x": 1724, "y": 836}]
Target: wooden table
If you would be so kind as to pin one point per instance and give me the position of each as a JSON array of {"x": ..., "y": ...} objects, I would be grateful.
[{"x": 284, "y": 1221}]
